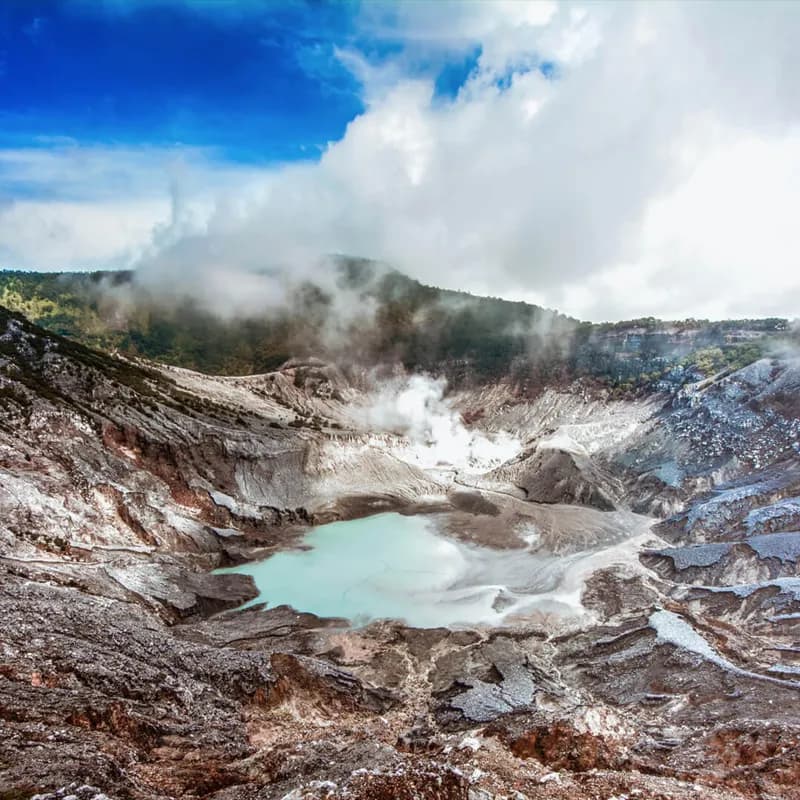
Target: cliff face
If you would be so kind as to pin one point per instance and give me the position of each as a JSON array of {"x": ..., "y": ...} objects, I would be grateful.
[{"x": 124, "y": 670}]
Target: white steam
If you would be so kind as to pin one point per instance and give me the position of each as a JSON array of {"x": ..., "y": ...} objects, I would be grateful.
[{"x": 436, "y": 436}]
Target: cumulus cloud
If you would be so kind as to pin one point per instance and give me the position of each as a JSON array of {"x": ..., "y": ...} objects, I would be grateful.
[
  {"x": 608, "y": 160},
  {"x": 67, "y": 206}
]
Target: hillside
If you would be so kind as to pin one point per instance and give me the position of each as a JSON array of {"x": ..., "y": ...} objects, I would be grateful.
[{"x": 388, "y": 318}]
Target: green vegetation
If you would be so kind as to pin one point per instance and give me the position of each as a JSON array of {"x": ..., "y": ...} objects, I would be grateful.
[
  {"x": 423, "y": 327},
  {"x": 712, "y": 360},
  {"x": 395, "y": 319}
]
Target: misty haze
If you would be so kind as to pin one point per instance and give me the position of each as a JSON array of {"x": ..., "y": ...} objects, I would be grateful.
[{"x": 399, "y": 399}]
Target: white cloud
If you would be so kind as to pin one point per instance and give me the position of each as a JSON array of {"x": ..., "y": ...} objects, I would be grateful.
[
  {"x": 504, "y": 29},
  {"x": 55, "y": 234},
  {"x": 656, "y": 175},
  {"x": 65, "y": 206}
]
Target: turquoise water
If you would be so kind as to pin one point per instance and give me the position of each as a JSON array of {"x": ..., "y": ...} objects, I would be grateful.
[
  {"x": 400, "y": 567},
  {"x": 385, "y": 566}
]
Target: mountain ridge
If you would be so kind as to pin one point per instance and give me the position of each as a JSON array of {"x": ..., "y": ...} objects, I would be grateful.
[{"x": 388, "y": 318}]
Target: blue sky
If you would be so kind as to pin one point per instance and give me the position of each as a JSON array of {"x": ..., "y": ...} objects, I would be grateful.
[{"x": 258, "y": 81}]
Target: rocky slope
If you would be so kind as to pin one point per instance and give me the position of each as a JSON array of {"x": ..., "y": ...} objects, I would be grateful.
[{"x": 125, "y": 670}]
